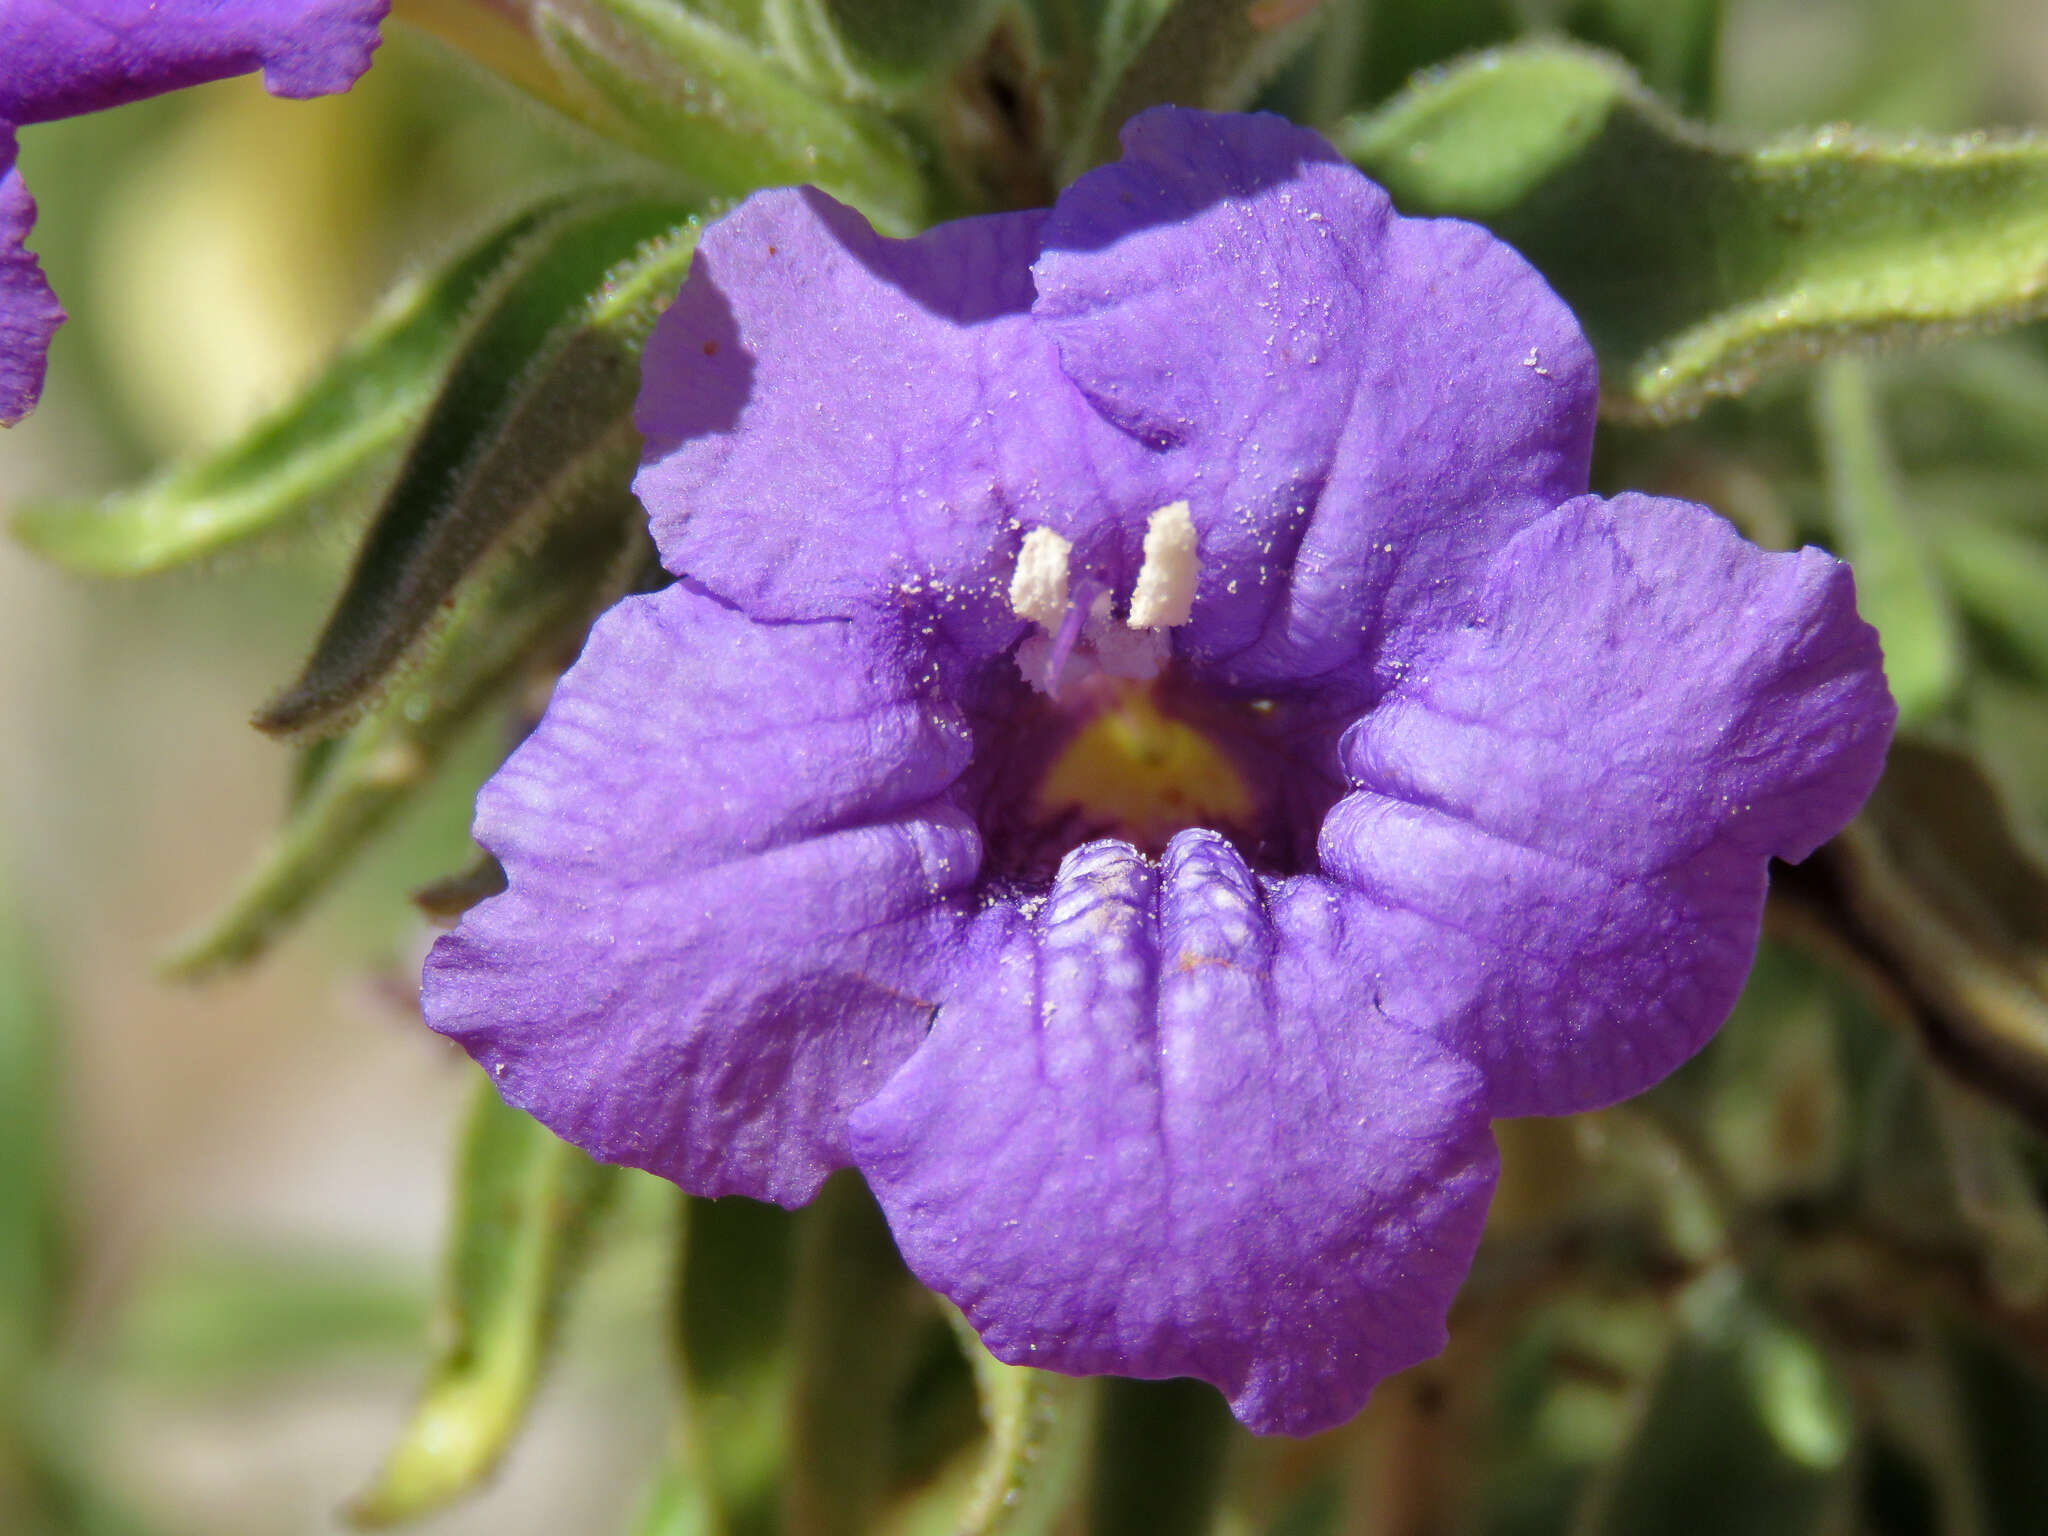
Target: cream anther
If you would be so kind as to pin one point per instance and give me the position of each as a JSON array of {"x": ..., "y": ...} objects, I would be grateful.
[
  {"x": 1165, "y": 593},
  {"x": 1038, "y": 589}
]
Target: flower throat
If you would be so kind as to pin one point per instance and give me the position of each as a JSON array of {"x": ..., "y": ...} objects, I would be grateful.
[{"x": 1100, "y": 732}]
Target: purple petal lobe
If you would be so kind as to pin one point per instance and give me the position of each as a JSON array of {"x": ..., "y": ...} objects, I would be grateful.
[
  {"x": 64, "y": 57},
  {"x": 1565, "y": 809},
  {"x": 29, "y": 311},
  {"x": 830, "y": 414},
  {"x": 1361, "y": 407},
  {"x": 730, "y": 859},
  {"x": 1161, "y": 1130}
]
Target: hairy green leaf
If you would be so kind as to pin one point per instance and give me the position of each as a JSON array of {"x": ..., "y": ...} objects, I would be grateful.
[
  {"x": 535, "y": 416},
  {"x": 1896, "y": 587},
  {"x": 686, "y": 92},
  {"x": 876, "y": 49},
  {"x": 360, "y": 407},
  {"x": 524, "y": 1204},
  {"x": 1697, "y": 264},
  {"x": 355, "y": 783}
]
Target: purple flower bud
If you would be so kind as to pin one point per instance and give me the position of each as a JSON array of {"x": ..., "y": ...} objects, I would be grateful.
[{"x": 1151, "y": 750}]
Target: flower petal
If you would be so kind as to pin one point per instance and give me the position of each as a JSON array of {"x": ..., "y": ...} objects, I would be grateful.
[
  {"x": 730, "y": 857},
  {"x": 1162, "y": 1131},
  {"x": 1565, "y": 812},
  {"x": 29, "y": 311},
  {"x": 1362, "y": 407},
  {"x": 65, "y": 57},
  {"x": 830, "y": 414}
]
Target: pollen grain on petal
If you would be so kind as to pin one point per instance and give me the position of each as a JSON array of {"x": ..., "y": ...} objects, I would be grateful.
[{"x": 1164, "y": 597}]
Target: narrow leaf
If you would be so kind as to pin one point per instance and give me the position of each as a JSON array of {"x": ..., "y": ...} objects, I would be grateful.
[
  {"x": 690, "y": 94},
  {"x": 1895, "y": 582},
  {"x": 524, "y": 1203},
  {"x": 357, "y": 782},
  {"x": 359, "y": 408},
  {"x": 536, "y": 411},
  {"x": 890, "y": 47},
  {"x": 1697, "y": 264}
]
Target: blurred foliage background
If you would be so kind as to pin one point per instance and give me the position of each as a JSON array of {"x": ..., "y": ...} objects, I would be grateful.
[{"x": 1801, "y": 1288}]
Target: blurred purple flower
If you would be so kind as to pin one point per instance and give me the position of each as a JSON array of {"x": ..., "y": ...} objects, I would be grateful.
[
  {"x": 61, "y": 58},
  {"x": 1151, "y": 749}
]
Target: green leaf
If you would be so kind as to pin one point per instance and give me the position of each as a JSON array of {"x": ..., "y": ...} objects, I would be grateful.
[
  {"x": 535, "y": 415},
  {"x": 688, "y": 93},
  {"x": 1696, "y": 264},
  {"x": 1895, "y": 583},
  {"x": 877, "y": 49},
  {"x": 356, "y": 783},
  {"x": 1039, "y": 1425},
  {"x": 359, "y": 408},
  {"x": 30, "y": 1155},
  {"x": 524, "y": 1205}
]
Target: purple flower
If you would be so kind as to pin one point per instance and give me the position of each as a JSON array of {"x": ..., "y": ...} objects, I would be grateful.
[
  {"x": 1150, "y": 751},
  {"x": 60, "y": 58}
]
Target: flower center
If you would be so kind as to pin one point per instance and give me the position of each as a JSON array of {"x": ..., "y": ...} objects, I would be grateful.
[
  {"x": 1142, "y": 775},
  {"x": 1093, "y": 729}
]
